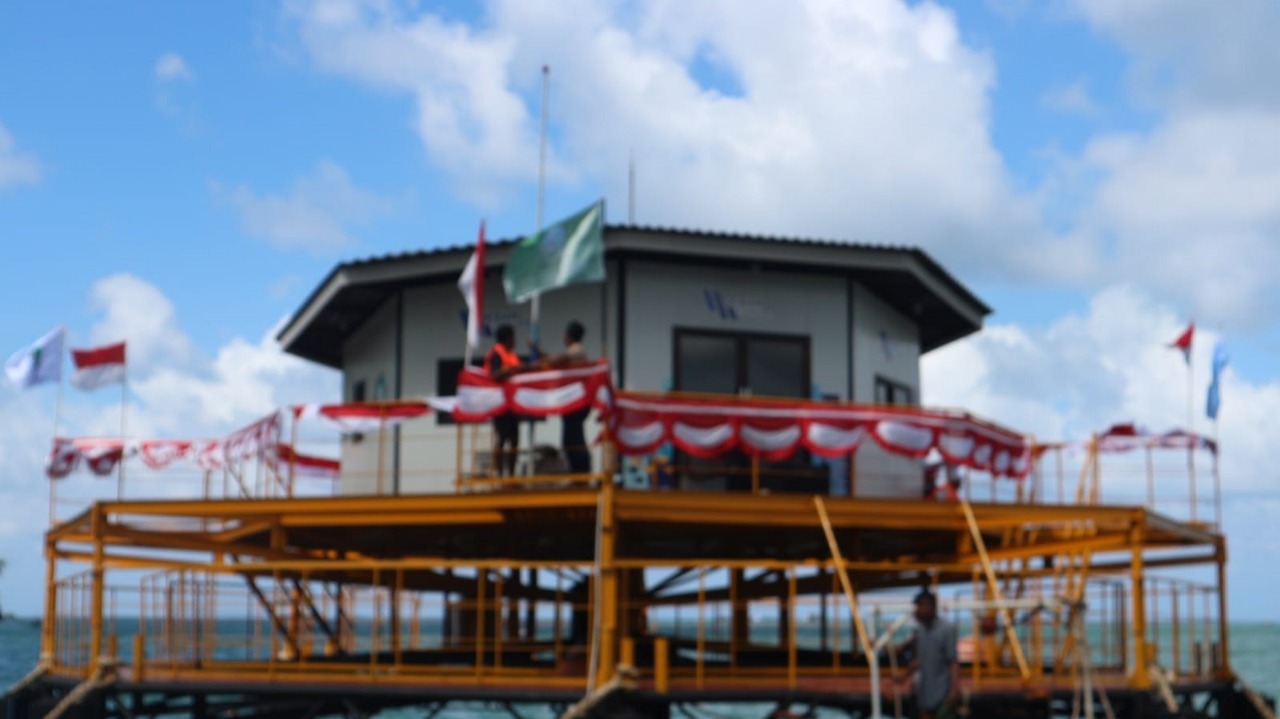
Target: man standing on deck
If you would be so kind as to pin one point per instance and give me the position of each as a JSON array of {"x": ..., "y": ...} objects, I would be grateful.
[
  {"x": 935, "y": 662},
  {"x": 573, "y": 437},
  {"x": 501, "y": 362}
]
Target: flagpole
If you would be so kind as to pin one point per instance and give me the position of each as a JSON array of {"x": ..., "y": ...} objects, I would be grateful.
[
  {"x": 124, "y": 408},
  {"x": 1217, "y": 477},
  {"x": 1191, "y": 426},
  {"x": 466, "y": 351},
  {"x": 536, "y": 305},
  {"x": 57, "y": 403},
  {"x": 57, "y": 429}
]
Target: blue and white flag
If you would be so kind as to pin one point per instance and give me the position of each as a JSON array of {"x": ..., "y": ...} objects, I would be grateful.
[
  {"x": 1214, "y": 401},
  {"x": 39, "y": 362}
]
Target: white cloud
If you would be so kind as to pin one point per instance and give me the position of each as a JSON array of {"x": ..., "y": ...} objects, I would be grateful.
[
  {"x": 175, "y": 391},
  {"x": 170, "y": 67},
  {"x": 315, "y": 214},
  {"x": 1196, "y": 206},
  {"x": 869, "y": 121},
  {"x": 1193, "y": 54},
  {"x": 138, "y": 313},
  {"x": 470, "y": 121},
  {"x": 1072, "y": 99},
  {"x": 856, "y": 112},
  {"x": 1083, "y": 372},
  {"x": 16, "y": 168},
  {"x": 1188, "y": 207},
  {"x": 175, "y": 93}
]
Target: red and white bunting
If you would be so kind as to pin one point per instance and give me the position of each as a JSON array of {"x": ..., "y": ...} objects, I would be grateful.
[
  {"x": 161, "y": 453},
  {"x": 775, "y": 430},
  {"x": 1128, "y": 437},
  {"x": 306, "y": 465},
  {"x": 537, "y": 394},
  {"x": 100, "y": 456},
  {"x": 253, "y": 440},
  {"x": 361, "y": 417}
]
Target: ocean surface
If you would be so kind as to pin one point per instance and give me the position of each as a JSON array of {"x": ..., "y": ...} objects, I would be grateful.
[{"x": 1255, "y": 650}]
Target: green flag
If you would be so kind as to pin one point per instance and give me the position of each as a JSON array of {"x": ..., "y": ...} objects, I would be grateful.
[{"x": 566, "y": 253}]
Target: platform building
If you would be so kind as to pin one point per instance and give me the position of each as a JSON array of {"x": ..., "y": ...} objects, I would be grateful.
[{"x": 776, "y": 384}]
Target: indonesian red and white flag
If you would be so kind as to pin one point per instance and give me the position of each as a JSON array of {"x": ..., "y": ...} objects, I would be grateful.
[
  {"x": 1183, "y": 342},
  {"x": 471, "y": 285},
  {"x": 98, "y": 366}
]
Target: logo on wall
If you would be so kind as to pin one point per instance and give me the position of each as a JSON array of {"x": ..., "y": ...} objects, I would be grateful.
[
  {"x": 734, "y": 308},
  {"x": 493, "y": 319}
]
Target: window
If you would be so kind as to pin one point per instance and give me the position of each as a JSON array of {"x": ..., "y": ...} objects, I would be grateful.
[
  {"x": 447, "y": 383},
  {"x": 754, "y": 364},
  {"x": 891, "y": 392},
  {"x": 764, "y": 365}
]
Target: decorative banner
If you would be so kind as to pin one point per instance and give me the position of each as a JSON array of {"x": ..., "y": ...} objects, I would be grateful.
[
  {"x": 253, "y": 440},
  {"x": 540, "y": 393},
  {"x": 304, "y": 465},
  {"x": 774, "y": 430},
  {"x": 351, "y": 418},
  {"x": 160, "y": 453},
  {"x": 638, "y": 423},
  {"x": 1127, "y": 437},
  {"x": 101, "y": 454}
]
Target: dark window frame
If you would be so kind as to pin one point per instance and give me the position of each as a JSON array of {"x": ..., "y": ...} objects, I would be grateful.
[
  {"x": 740, "y": 352},
  {"x": 802, "y": 459},
  {"x": 447, "y": 369},
  {"x": 890, "y": 391}
]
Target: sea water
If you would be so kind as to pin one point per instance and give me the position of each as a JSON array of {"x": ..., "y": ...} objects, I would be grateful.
[{"x": 1255, "y": 653}]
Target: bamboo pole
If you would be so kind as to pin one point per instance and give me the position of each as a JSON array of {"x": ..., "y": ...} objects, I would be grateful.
[
  {"x": 994, "y": 585},
  {"x": 849, "y": 595}
]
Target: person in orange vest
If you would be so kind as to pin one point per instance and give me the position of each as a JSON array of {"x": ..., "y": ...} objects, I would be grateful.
[{"x": 499, "y": 363}]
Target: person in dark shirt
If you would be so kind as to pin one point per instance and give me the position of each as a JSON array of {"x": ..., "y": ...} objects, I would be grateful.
[
  {"x": 573, "y": 438},
  {"x": 935, "y": 663}
]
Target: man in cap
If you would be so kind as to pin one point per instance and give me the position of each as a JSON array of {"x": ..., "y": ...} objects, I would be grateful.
[{"x": 934, "y": 648}]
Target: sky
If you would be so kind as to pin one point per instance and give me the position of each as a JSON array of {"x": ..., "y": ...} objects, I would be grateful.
[{"x": 1100, "y": 172}]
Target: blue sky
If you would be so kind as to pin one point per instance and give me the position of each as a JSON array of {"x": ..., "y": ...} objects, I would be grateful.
[{"x": 182, "y": 176}]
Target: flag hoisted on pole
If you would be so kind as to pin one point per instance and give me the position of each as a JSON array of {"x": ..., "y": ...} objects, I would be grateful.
[
  {"x": 471, "y": 285},
  {"x": 41, "y": 361},
  {"x": 1184, "y": 343},
  {"x": 38, "y": 362},
  {"x": 98, "y": 367},
  {"x": 1213, "y": 402},
  {"x": 566, "y": 253}
]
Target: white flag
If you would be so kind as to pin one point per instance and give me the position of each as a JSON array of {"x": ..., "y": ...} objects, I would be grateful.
[
  {"x": 39, "y": 362},
  {"x": 471, "y": 285}
]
